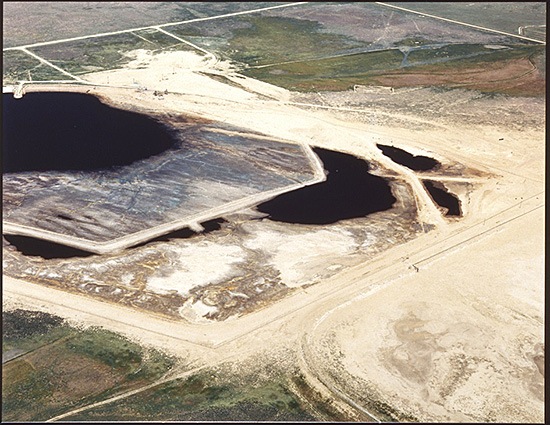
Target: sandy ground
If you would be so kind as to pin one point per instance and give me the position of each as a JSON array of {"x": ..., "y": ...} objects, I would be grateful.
[
  {"x": 298, "y": 252},
  {"x": 460, "y": 340},
  {"x": 194, "y": 271}
]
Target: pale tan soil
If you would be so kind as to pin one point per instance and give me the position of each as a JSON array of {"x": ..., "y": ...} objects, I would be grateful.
[{"x": 459, "y": 340}]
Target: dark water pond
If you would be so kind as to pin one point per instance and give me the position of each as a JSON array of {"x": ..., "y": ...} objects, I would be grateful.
[
  {"x": 443, "y": 198},
  {"x": 51, "y": 250},
  {"x": 74, "y": 131},
  {"x": 45, "y": 249},
  {"x": 350, "y": 191},
  {"x": 402, "y": 157},
  {"x": 186, "y": 233}
]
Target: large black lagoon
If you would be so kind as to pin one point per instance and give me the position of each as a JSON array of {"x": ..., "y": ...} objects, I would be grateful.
[{"x": 74, "y": 131}]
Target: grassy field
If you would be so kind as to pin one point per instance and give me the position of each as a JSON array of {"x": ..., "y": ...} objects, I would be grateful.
[
  {"x": 490, "y": 56},
  {"x": 449, "y": 52},
  {"x": 340, "y": 73},
  {"x": 17, "y": 65},
  {"x": 59, "y": 367},
  {"x": 514, "y": 71},
  {"x": 204, "y": 397},
  {"x": 261, "y": 40}
]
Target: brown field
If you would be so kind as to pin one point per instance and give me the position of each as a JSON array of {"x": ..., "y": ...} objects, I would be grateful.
[{"x": 514, "y": 77}]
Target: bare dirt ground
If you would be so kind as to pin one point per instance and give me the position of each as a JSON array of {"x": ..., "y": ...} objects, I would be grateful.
[
  {"x": 445, "y": 325},
  {"x": 444, "y": 344}
]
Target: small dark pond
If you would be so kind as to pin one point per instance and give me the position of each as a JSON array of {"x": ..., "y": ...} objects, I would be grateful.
[
  {"x": 51, "y": 131},
  {"x": 186, "y": 233},
  {"x": 51, "y": 250},
  {"x": 416, "y": 163},
  {"x": 45, "y": 249},
  {"x": 350, "y": 191},
  {"x": 443, "y": 198}
]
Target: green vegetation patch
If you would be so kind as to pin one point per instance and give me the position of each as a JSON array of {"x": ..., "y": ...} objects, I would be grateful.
[
  {"x": 204, "y": 397},
  {"x": 273, "y": 39},
  {"x": 108, "y": 348},
  {"x": 19, "y": 66},
  {"x": 92, "y": 54},
  {"x": 51, "y": 368},
  {"x": 494, "y": 56},
  {"x": 15, "y": 65},
  {"x": 340, "y": 73},
  {"x": 413, "y": 42},
  {"x": 449, "y": 52},
  {"x": 46, "y": 73},
  {"x": 261, "y": 40},
  {"x": 25, "y": 330}
]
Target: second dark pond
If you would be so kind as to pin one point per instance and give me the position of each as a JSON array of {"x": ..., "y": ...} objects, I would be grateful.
[
  {"x": 350, "y": 191},
  {"x": 414, "y": 162}
]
